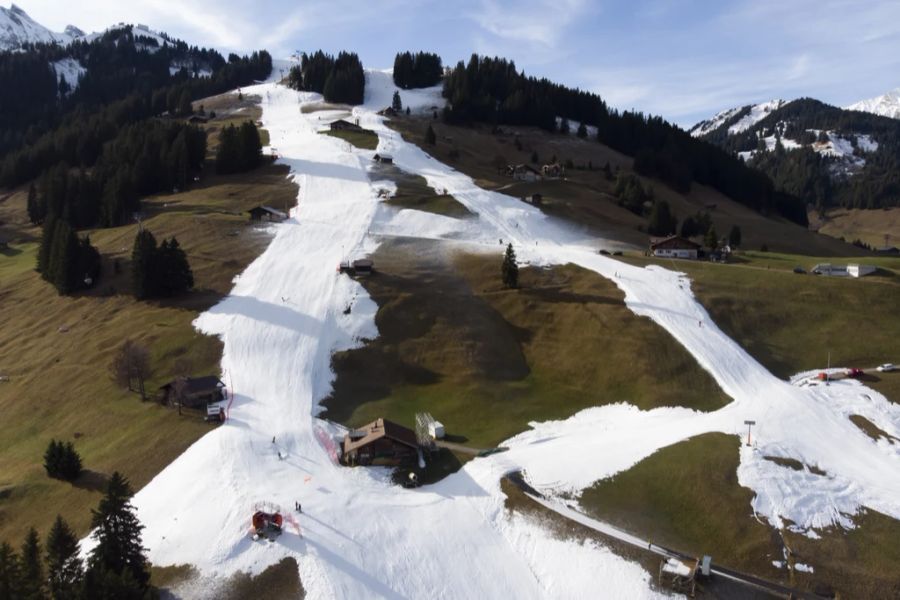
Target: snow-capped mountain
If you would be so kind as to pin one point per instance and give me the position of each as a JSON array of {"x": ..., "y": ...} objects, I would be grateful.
[
  {"x": 17, "y": 29},
  {"x": 736, "y": 119},
  {"x": 886, "y": 105}
]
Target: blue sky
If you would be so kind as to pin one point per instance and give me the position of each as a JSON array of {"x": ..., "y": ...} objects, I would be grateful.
[{"x": 684, "y": 60}]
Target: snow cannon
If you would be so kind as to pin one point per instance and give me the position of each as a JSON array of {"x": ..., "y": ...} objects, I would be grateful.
[{"x": 267, "y": 525}]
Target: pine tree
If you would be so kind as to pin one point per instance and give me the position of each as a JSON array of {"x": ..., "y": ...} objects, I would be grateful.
[
  {"x": 47, "y": 231},
  {"x": 509, "y": 270},
  {"x": 711, "y": 239},
  {"x": 430, "y": 136},
  {"x": 662, "y": 221},
  {"x": 564, "y": 126},
  {"x": 70, "y": 463},
  {"x": 582, "y": 131},
  {"x": 228, "y": 153},
  {"x": 31, "y": 568},
  {"x": 144, "y": 265},
  {"x": 35, "y": 212},
  {"x": 249, "y": 147},
  {"x": 117, "y": 532},
  {"x": 176, "y": 276},
  {"x": 63, "y": 259},
  {"x": 10, "y": 577},
  {"x": 53, "y": 458},
  {"x": 64, "y": 569},
  {"x": 396, "y": 103},
  {"x": 734, "y": 236}
]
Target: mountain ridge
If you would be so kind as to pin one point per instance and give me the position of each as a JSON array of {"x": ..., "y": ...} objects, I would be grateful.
[{"x": 18, "y": 29}]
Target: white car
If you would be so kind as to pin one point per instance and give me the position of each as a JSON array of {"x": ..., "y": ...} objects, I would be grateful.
[{"x": 886, "y": 367}]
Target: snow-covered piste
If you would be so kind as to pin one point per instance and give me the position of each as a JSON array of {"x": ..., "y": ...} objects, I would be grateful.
[{"x": 361, "y": 536}]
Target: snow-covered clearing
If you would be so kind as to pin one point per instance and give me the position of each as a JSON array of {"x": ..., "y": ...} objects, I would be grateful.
[
  {"x": 70, "y": 70},
  {"x": 362, "y": 536}
]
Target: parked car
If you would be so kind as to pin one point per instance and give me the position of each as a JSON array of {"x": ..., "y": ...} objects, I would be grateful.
[
  {"x": 799, "y": 270},
  {"x": 854, "y": 372},
  {"x": 887, "y": 367}
]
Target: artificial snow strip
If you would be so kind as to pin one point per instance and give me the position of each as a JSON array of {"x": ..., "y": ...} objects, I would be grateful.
[{"x": 363, "y": 536}]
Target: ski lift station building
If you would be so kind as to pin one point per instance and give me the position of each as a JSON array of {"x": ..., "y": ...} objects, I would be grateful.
[{"x": 380, "y": 442}]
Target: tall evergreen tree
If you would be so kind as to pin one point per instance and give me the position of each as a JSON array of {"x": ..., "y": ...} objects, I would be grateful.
[
  {"x": 10, "y": 577},
  {"x": 64, "y": 568},
  {"x": 176, "y": 276},
  {"x": 711, "y": 239},
  {"x": 509, "y": 270},
  {"x": 582, "y": 131},
  {"x": 143, "y": 265},
  {"x": 64, "y": 259},
  {"x": 43, "y": 257},
  {"x": 662, "y": 221},
  {"x": 117, "y": 532},
  {"x": 396, "y": 102},
  {"x": 734, "y": 236},
  {"x": 35, "y": 210},
  {"x": 430, "y": 136},
  {"x": 32, "y": 568},
  {"x": 250, "y": 146}
]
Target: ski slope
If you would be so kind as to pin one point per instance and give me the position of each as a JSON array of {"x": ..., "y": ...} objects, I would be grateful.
[{"x": 362, "y": 536}]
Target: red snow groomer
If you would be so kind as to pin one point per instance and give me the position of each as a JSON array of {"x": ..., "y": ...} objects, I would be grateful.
[{"x": 267, "y": 525}]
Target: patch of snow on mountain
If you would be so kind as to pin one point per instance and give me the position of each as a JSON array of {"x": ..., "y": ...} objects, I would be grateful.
[
  {"x": 886, "y": 105},
  {"x": 70, "y": 69},
  {"x": 17, "y": 29},
  {"x": 704, "y": 127},
  {"x": 758, "y": 112},
  {"x": 574, "y": 125}
]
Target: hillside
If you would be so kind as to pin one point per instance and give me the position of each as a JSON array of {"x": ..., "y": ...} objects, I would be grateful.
[
  {"x": 586, "y": 197},
  {"x": 825, "y": 155},
  {"x": 55, "y": 351}
]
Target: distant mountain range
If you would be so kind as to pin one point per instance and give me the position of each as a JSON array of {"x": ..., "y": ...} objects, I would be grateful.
[
  {"x": 886, "y": 105},
  {"x": 824, "y": 154},
  {"x": 18, "y": 29}
]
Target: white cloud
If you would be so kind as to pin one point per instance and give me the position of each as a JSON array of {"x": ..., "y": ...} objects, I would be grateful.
[{"x": 531, "y": 21}]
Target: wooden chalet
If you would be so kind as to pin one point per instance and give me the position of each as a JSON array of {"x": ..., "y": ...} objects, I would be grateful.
[
  {"x": 344, "y": 125},
  {"x": 674, "y": 246},
  {"x": 197, "y": 119},
  {"x": 381, "y": 442},
  {"x": 360, "y": 266},
  {"x": 523, "y": 172},
  {"x": 258, "y": 213},
  {"x": 193, "y": 392},
  {"x": 383, "y": 158}
]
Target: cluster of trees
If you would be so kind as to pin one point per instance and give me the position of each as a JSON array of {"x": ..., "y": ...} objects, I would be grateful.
[
  {"x": 143, "y": 158},
  {"x": 118, "y": 64},
  {"x": 239, "y": 150},
  {"x": 492, "y": 90},
  {"x": 662, "y": 220},
  {"x": 422, "y": 69},
  {"x": 695, "y": 225},
  {"x": 631, "y": 193},
  {"x": 509, "y": 269},
  {"x": 61, "y": 461},
  {"x": 159, "y": 271},
  {"x": 116, "y": 567},
  {"x": 65, "y": 261},
  {"x": 338, "y": 79},
  {"x": 76, "y": 134}
]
